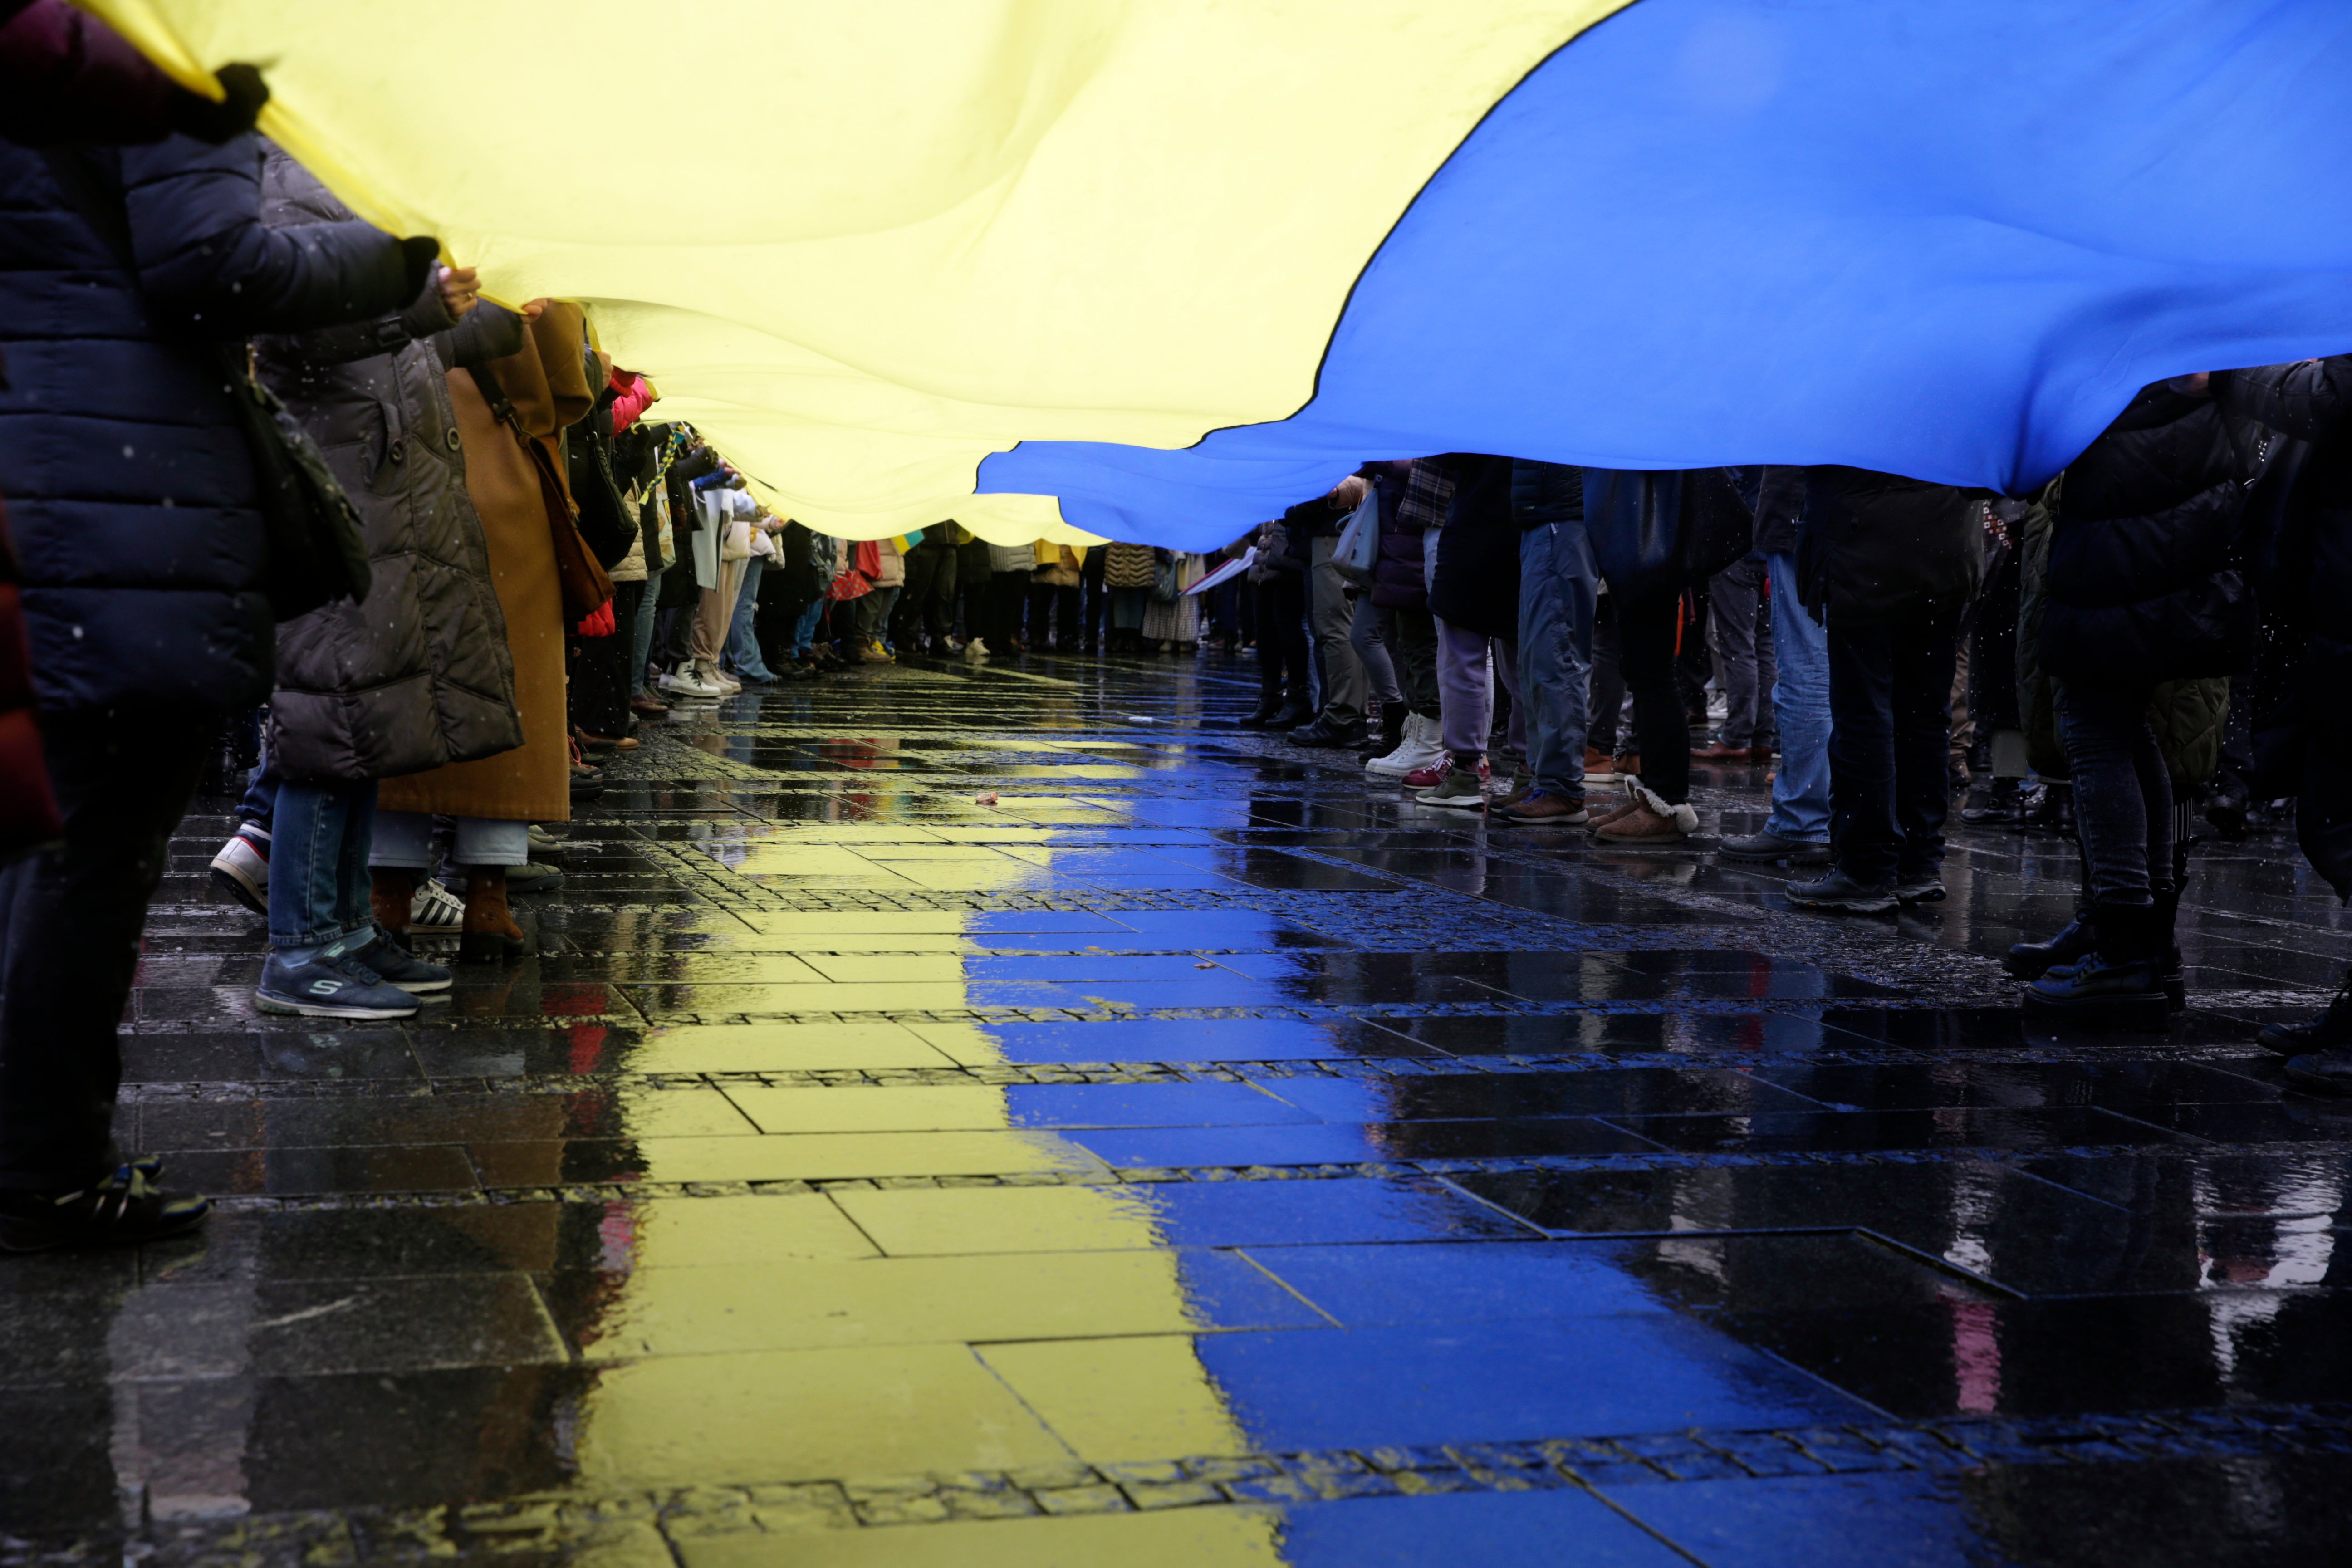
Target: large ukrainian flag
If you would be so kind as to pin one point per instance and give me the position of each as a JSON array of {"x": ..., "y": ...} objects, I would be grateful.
[{"x": 1175, "y": 263}]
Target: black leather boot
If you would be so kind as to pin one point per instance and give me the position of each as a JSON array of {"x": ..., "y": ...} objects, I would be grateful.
[
  {"x": 1391, "y": 735},
  {"x": 2170, "y": 969},
  {"x": 2032, "y": 960},
  {"x": 2331, "y": 1031},
  {"x": 2120, "y": 981},
  {"x": 1266, "y": 709}
]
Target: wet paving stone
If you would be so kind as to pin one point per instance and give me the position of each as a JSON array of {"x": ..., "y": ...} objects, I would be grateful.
[{"x": 1004, "y": 1113}]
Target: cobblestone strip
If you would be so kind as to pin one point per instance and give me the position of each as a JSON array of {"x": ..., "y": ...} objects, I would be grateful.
[{"x": 570, "y": 1523}]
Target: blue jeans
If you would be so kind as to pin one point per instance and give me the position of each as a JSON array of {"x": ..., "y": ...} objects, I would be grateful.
[
  {"x": 1559, "y": 590},
  {"x": 404, "y": 839},
  {"x": 1801, "y": 708},
  {"x": 742, "y": 643},
  {"x": 804, "y": 629},
  {"x": 319, "y": 862},
  {"x": 642, "y": 634},
  {"x": 259, "y": 806}
]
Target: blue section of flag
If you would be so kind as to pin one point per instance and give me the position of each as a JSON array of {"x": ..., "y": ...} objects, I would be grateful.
[{"x": 1939, "y": 239}]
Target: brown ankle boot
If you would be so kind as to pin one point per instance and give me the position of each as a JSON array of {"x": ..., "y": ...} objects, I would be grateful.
[
  {"x": 390, "y": 891},
  {"x": 490, "y": 933}
]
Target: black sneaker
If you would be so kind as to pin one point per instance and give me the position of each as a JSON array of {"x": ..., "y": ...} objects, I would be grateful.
[
  {"x": 2331, "y": 1031},
  {"x": 1926, "y": 890},
  {"x": 1769, "y": 846},
  {"x": 1839, "y": 891},
  {"x": 124, "y": 1210},
  {"x": 2323, "y": 1072}
]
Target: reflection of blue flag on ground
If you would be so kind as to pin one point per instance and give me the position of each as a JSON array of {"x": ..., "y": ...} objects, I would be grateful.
[{"x": 1944, "y": 240}]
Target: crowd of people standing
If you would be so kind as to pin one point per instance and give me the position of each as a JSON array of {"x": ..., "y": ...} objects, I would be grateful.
[{"x": 267, "y": 463}]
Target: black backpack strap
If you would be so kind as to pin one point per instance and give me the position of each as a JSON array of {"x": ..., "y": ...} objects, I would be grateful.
[{"x": 502, "y": 407}]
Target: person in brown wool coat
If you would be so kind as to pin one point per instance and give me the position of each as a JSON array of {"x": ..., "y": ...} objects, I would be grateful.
[{"x": 495, "y": 799}]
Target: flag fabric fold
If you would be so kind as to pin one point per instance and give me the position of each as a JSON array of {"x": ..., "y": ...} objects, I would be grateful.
[{"x": 1155, "y": 269}]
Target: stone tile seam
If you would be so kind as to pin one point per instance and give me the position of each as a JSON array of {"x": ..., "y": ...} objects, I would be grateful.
[{"x": 626, "y": 1191}]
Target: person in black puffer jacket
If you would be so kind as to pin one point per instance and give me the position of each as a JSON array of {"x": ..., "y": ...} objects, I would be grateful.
[
  {"x": 1888, "y": 563},
  {"x": 136, "y": 515},
  {"x": 2144, "y": 587},
  {"x": 2304, "y": 573}
]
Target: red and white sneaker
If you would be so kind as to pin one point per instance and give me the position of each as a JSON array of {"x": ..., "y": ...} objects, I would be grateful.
[
  {"x": 1431, "y": 775},
  {"x": 241, "y": 870}
]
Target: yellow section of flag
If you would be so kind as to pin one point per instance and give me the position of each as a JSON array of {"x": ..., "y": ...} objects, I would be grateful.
[{"x": 863, "y": 246}]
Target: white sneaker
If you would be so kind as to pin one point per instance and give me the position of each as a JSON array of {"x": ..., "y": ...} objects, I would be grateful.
[
  {"x": 1405, "y": 737},
  {"x": 1420, "y": 749},
  {"x": 241, "y": 869},
  {"x": 434, "y": 909},
  {"x": 719, "y": 677},
  {"x": 688, "y": 681},
  {"x": 974, "y": 651}
]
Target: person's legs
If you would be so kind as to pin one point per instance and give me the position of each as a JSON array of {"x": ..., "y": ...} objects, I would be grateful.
[
  {"x": 1558, "y": 599},
  {"x": 599, "y": 690},
  {"x": 1732, "y": 598},
  {"x": 1505, "y": 652},
  {"x": 641, "y": 634},
  {"x": 2123, "y": 812},
  {"x": 938, "y": 602},
  {"x": 1800, "y": 709},
  {"x": 1922, "y": 652},
  {"x": 1646, "y": 641},
  {"x": 1368, "y": 633},
  {"x": 70, "y": 917},
  {"x": 1465, "y": 694},
  {"x": 906, "y": 617},
  {"x": 742, "y": 644},
  {"x": 1416, "y": 662},
  {"x": 1605, "y": 711},
  {"x": 1090, "y": 574},
  {"x": 1282, "y": 619},
  {"x": 2123, "y": 795},
  {"x": 1862, "y": 753},
  {"x": 306, "y": 882},
  {"x": 259, "y": 806},
  {"x": 804, "y": 632},
  {"x": 1331, "y": 612},
  {"x": 707, "y": 636}
]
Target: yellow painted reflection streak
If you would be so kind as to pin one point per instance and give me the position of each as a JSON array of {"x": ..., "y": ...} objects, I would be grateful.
[{"x": 880, "y": 1330}]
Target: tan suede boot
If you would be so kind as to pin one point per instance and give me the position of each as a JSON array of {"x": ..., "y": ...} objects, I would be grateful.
[
  {"x": 490, "y": 934},
  {"x": 391, "y": 890}
]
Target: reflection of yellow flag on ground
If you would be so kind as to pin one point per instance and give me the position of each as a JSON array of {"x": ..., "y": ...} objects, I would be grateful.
[{"x": 864, "y": 246}]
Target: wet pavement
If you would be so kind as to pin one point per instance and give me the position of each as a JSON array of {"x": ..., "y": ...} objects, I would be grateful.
[{"x": 996, "y": 1117}]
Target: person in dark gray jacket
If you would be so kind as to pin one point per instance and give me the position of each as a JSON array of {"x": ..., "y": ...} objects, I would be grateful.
[{"x": 417, "y": 676}]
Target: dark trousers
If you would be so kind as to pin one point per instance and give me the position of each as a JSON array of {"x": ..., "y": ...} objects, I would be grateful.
[
  {"x": 1282, "y": 640},
  {"x": 71, "y": 919},
  {"x": 1645, "y": 656},
  {"x": 1048, "y": 603},
  {"x": 975, "y": 584},
  {"x": 927, "y": 604},
  {"x": 2123, "y": 791},
  {"x": 1090, "y": 574},
  {"x": 1606, "y": 706},
  {"x": 599, "y": 668},
  {"x": 1890, "y": 714},
  {"x": 1008, "y": 596},
  {"x": 1414, "y": 654}
]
